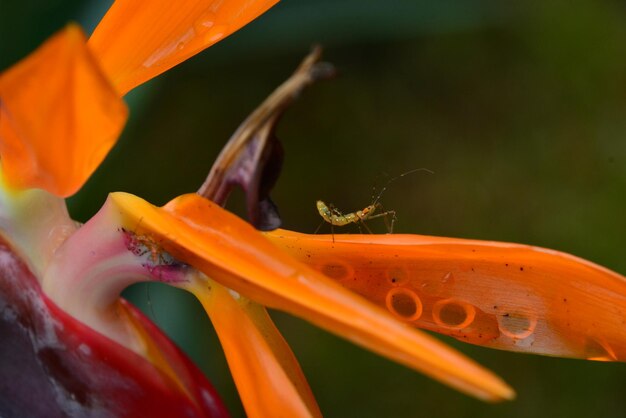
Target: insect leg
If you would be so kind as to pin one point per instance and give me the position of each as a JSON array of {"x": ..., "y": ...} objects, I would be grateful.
[
  {"x": 393, "y": 221},
  {"x": 319, "y": 226},
  {"x": 333, "y": 211},
  {"x": 367, "y": 228},
  {"x": 386, "y": 215}
]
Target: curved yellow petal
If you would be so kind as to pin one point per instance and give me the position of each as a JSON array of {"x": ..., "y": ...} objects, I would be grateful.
[
  {"x": 265, "y": 370},
  {"x": 229, "y": 250},
  {"x": 138, "y": 40},
  {"x": 499, "y": 295},
  {"x": 59, "y": 116}
]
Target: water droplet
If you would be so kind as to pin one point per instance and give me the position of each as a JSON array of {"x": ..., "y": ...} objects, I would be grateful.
[
  {"x": 453, "y": 313},
  {"x": 404, "y": 303},
  {"x": 205, "y": 21},
  {"x": 517, "y": 326},
  {"x": 85, "y": 349},
  {"x": 397, "y": 276},
  {"x": 599, "y": 351},
  {"x": 447, "y": 279},
  {"x": 169, "y": 49},
  {"x": 337, "y": 270},
  {"x": 215, "y": 33}
]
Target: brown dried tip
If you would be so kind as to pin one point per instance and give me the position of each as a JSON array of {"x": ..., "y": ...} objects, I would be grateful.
[{"x": 252, "y": 158}]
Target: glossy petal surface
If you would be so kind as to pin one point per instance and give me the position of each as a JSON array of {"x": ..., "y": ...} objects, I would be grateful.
[
  {"x": 499, "y": 295},
  {"x": 268, "y": 377},
  {"x": 59, "y": 116},
  {"x": 229, "y": 250},
  {"x": 138, "y": 40}
]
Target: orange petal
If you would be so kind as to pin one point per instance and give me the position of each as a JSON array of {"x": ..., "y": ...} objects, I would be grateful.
[
  {"x": 138, "y": 40},
  {"x": 265, "y": 370},
  {"x": 59, "y": 116},
  {"x": 506, "y": 296},
  {"x": 228, "y": 249}
]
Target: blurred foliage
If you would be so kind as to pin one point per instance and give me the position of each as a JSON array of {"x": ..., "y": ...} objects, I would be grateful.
[{"x": 519, "y": 109}]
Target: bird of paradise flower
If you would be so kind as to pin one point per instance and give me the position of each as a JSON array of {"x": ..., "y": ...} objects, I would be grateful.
[{"x": 60, "y": 114}]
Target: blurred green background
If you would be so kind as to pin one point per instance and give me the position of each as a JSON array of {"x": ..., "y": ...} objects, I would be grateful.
[{"x": 519, "y": 109}]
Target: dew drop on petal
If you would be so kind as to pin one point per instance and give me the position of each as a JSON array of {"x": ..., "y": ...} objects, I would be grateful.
[
  {"x": 213, "y": 33},
  {"x": 337, "y": 270},
  {"x": 234, "y": 294},
  {"x": 517, "y": 326},
  {"x": 599, "y": 351},
  {"x": 397, "y": 276},
  {"x": 447, "y": 279},
  {"x": 453, "y": 313},
  {"x": 84, "y": 349},
  {"x": 204, "y": 22},
  {"x": 404, "y": 303}
]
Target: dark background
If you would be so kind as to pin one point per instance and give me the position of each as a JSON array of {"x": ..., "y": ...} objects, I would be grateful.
[{"x": 518, "y": 109}]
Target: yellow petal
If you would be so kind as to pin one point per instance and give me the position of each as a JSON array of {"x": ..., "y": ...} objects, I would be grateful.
[
  {"x": 267, "y": 374},
  {"x": 59, "y": 116},
  {"x": 499, "y": 295},
  {"x": 138, "y": 40},
  {"x": 229, "y": 250}
]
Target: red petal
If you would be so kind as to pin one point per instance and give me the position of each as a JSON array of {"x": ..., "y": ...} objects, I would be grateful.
[{"x": 53, "y": 365}]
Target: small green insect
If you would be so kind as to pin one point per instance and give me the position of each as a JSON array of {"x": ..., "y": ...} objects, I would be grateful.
[{"x": 335, "y": 218}]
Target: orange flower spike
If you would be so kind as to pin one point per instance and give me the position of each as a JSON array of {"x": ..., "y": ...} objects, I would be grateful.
[
  {"x": 499, "y": 295},
  {"x": 232, "y": 252},
  {"x": 138, "y": 40},
  {"x": 59, "y": 116},
  {"x": 265, "y": 370}
]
